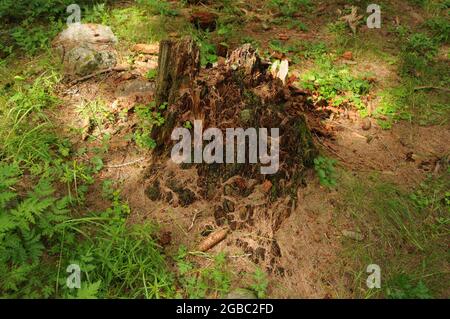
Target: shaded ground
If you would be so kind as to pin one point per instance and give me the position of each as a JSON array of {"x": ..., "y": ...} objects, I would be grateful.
[
  {"x": 303, "y": 253},
  {"x": 308, "y": 242}
]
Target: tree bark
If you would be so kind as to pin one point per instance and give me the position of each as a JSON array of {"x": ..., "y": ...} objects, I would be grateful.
[{"x": 178, "y": 66}]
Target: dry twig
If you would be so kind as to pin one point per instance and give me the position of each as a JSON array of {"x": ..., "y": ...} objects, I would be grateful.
[{"x": 87, "y": 77}]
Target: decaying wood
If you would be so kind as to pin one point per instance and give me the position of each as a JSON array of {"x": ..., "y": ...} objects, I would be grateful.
[
  {"x": 246, "y": 58},
  {"x": 204, "y": 20},
  {"x": 146, "y": 48},
  {"x": 178, "y": 65},
  {"x": 213, "y": 239},
  {"x": 238, "y": 93}
]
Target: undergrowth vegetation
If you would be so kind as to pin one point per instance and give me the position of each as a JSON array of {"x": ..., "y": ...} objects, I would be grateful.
[
  {"x": 405, "y": 234},
  {"x": 43, "y": 224},
  {"x": 46, "y": 223},
  {"x": 336, "y": 86}
]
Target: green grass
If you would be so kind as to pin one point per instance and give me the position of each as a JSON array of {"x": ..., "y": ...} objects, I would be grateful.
[
  {"x": 413, "y": 51},
  {"x": 406, "y": 102},
  {"x": 289, "y": 8},
  {"x": 24, "y": 121},
  {"x": 42, "y": 230},
  {"x": 159, "y": 7},
  {"x": 44, "y": 180},
  {"x": 405, "y": 233},
  {"x": 197, "y": 282}
]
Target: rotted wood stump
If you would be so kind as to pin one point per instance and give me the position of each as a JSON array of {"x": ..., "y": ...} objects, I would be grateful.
[
  {"x": 241, "y": 93},
  {"x": 178, "y": 66}
]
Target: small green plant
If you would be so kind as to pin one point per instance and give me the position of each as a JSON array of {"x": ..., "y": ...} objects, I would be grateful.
[
  {"x": 98, "y": 13},
  {"x": 260, "y": 283},
  {"x": 39, "y": 238},
  {"x": 422, "y": 45},
  {"x": 336, "y": 85},
  {"x": 30, "y": 26},
  {"x": 278, "y": 46},
  {"x": 440, "y": 29},
  {"x": 255, "y": 43},
  {"x": 403, "y": 286},
  {"x": 151, "y": 74},
  {"x": 160, "y": 7},
  {"x": 134, "y": 25},
  {"x": 295, "y": 24},
  {"x": 16, "y": 10},
  {"x": 202, "y": 282},
  {"x": 96, "y": 114},
  {"x": 76, "y": 175},
  {"x": 26, "y": 224},
  {"x": 149, "y": 116},
  {"x": 392, "y": 107},
  {"x": 207, "y": 49},
  {"x": 313, "y": 49},
  {"x": 225, "y": 30},
  {"x": 418, "y": 52},
  {"x": 324, "y": 167},
  {"x": 107, "y": 189},
  {"x": 289, "y": 8}
]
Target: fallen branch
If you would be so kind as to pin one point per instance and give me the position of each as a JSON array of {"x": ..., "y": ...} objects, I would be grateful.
[
  {"x": 431, "y": 88},
  {"x": 126, "y": 164},
  {"x": 87, "y": 77}
]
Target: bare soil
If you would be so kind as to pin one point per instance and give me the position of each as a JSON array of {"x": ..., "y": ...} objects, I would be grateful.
[{"x": 297, "y": 240}]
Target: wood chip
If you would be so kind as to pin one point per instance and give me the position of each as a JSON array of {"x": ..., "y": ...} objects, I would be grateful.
[
  {"x": 146, "y": 48},
  {"x": 266, "y": 186},
  {"x": 213, "y": 239},
  {"x": 348, "y": 55}
]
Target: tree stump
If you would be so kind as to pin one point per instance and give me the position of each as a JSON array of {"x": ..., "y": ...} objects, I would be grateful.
[
  {"x": 178, "y": 66},
  {"x": 239, "y": 93}
]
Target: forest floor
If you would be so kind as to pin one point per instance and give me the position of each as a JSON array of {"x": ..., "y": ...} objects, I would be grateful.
[{"x": 378, "y": 113}]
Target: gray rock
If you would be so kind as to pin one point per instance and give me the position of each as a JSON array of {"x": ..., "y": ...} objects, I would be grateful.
[
  {"x": 83, "y": 61},
  {"x": 85, "y": 48}
]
